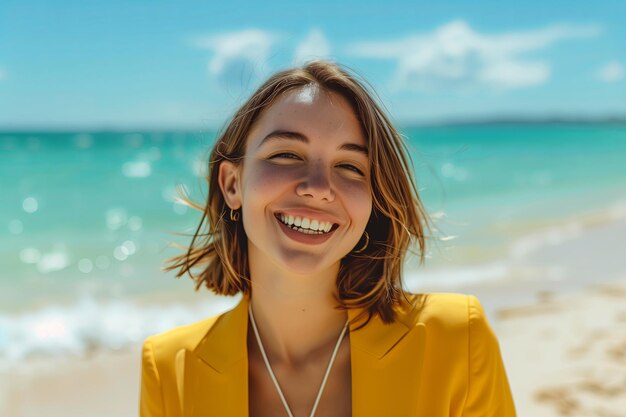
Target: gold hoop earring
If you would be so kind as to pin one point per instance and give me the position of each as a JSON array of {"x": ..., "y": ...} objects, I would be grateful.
[
  {"x": 367, "y": 241},
  {"x": 234, "y": 215}
]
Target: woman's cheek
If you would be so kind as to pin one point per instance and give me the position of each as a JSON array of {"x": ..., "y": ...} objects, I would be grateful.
[
  {"x": 356, "y": 194},
  {"x": 270, "y": 175},
  {"x": 353, "y": 188},
  {"x": 268, "y": 184}
]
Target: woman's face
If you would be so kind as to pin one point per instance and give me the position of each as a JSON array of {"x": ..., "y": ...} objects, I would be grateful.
[{"x": 305, "y": 167}]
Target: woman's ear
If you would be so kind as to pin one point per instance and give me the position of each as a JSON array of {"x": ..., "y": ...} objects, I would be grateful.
[{"x": 228, "y": 179}]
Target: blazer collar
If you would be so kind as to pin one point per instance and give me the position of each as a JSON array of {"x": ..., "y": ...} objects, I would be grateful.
[
  {"x": 213, "y": 377},
  {"x": 226, "y": 341},
  {"x": 223, "y": 352},
  {"x": 375, "y": 338}
]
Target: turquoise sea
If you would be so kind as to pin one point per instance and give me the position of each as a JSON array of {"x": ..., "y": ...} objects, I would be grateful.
[{"x": 86, "y": 217}]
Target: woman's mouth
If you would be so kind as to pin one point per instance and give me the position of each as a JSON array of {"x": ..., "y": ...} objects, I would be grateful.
[{"x": 306, "y": 225}]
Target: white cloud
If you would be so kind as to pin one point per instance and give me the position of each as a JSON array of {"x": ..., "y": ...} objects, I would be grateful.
[
  {"x": 250, "y": 46},
  {"x": 315, "y": 45},
  {"x": 512, "y": 74},
  {"x": 456, "y": 55},
  {"x": 611, "y": 72}
]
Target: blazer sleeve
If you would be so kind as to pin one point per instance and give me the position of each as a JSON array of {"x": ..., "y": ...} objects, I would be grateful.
[
  {"x": 489, "y": 394},
  {"x": 150, "y": 398}
]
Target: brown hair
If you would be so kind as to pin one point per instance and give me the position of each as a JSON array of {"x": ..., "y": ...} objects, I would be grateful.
[{"x": 370, "y": 279}]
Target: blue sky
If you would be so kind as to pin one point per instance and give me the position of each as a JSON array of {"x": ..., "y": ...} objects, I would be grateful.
[{"x": 178, "y": 64}]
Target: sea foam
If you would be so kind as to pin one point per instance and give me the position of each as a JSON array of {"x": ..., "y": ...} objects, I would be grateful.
[{"x": 90, "y": 325}]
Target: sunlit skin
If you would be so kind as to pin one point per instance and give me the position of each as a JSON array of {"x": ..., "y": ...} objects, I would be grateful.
[{"x": 321, "y": 171}]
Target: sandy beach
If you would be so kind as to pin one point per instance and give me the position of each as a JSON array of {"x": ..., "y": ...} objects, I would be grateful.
[
  {"x": 564, "y": 351},
  {"x": 566, "y": 356},
  {"x": 105, "y": 384}
]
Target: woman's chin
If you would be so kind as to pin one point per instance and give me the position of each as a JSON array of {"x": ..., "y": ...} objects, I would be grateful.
[{"x": 309, "y": 264}]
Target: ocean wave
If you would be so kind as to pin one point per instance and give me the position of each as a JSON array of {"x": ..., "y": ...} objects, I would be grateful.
[
  {"x": 573, "y": 228},
  {"x": 90, "y": 325},
  {"x": 452, "y": 278}
]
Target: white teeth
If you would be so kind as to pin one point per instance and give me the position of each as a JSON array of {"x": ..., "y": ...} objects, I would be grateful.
[{"x": 306, "y": 225}]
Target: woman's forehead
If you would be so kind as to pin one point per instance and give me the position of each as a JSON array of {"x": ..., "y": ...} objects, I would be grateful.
[
  {"x": 306, "y": 94},
  {"x": 310, "y": 107},
  {"x": 306, "y": 98}
]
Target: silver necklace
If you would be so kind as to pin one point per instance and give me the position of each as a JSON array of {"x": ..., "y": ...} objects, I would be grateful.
[{"x": 269, "y": 367}]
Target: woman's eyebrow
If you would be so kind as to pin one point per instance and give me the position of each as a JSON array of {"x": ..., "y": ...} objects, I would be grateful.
[{"x": 300, "y": 137}]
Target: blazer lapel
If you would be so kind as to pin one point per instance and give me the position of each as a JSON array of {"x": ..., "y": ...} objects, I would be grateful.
[
  {"x": 386, "y": 365},
  {"x": 216, "y": 371}
]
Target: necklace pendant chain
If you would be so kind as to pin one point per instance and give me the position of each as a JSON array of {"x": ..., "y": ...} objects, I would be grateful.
[{"x": 271, "y": 372}]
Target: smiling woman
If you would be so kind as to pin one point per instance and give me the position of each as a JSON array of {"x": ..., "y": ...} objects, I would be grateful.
[
  {"x": 298, "y": 163},
  {"x": 310, "y": 213}
]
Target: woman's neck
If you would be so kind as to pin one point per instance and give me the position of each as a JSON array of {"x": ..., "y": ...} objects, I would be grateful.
[{"x": 295, "y": 314}]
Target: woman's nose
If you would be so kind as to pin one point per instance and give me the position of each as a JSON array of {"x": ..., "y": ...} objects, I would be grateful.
[{"x": 316, "y": 184}]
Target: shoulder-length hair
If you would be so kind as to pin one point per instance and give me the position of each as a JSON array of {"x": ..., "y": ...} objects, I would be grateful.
[{"x": 369, "y": 279}]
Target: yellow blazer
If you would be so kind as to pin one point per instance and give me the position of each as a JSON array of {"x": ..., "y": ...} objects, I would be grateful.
[{"x": 440, "y": 359}]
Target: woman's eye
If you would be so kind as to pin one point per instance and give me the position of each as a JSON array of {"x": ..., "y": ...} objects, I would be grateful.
[
  {"x": 287, "y": 155},
  {"x": 352, "y": 168}
]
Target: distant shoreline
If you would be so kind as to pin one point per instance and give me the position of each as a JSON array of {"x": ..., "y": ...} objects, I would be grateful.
[
  {"x": 522, "y": 121},
  {"x": 487, "y": 121}
]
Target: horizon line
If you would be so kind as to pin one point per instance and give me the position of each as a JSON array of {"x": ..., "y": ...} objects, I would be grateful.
[{"x": 453, "y": 121}]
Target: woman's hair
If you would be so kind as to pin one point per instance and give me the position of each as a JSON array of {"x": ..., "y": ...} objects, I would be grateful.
[{"x": 370, "y": 279}]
